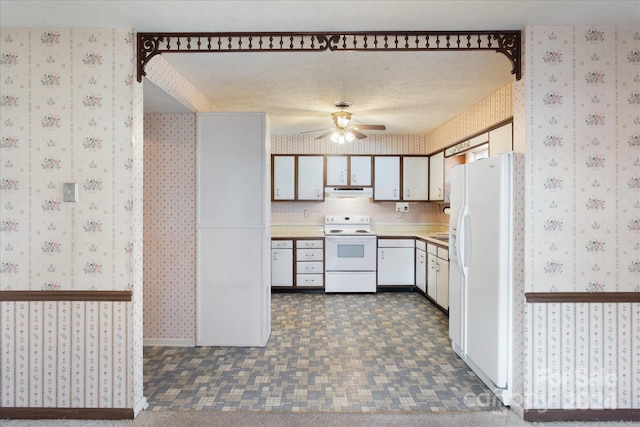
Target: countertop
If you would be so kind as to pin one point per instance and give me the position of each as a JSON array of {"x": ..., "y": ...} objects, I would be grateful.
[{"x": 424, "y": 232}]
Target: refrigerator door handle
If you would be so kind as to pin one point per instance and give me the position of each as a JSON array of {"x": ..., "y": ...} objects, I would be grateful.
[{"x": 462, "y": 243}]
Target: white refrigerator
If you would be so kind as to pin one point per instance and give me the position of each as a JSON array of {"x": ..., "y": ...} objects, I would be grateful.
[{"x": 481, "y": 252}]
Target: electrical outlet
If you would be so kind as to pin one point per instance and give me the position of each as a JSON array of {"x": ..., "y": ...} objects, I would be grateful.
[
  {"x": 306, "y": 213},
  {"x": 402, "y": 207}
]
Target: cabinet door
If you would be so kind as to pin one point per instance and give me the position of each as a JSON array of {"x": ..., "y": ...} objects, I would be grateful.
[
  {"x": 283, "y": 178},
  {"x": 337, "y": 171},
  {"x": 501, "y": 140},
  {"x": 436, "y": 176},
  {"x": 421, "y": 270},
  {"x": 360, "y": 171},
  {"x": 415, "y": 178},
  {"x": 310, "y": 178},
  {"x": 386, "y": 178},
  {"x": 281, "y": 267},
  {"x": 432, "y": 276},
  {"x": 396, "y": 266},
  {"x": 443, "y": 283}
]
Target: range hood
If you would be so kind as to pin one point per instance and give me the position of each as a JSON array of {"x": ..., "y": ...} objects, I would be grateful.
[{"x": 349, "y": 192}]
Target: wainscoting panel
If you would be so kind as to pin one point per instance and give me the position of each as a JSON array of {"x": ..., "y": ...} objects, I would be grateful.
[{"x": 65, "y": 354}]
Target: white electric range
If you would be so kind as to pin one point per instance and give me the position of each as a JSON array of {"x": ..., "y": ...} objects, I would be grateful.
[{"x": 350, "y": 254}]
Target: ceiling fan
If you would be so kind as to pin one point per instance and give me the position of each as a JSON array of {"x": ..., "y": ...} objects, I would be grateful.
[{"x": 344, "y": 131}]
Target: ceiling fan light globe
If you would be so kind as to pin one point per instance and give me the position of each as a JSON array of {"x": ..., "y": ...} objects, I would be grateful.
[{"x": 349, "y": 137}]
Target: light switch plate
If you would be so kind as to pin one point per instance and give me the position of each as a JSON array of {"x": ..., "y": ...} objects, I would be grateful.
[{"x": 70, "y": 191}]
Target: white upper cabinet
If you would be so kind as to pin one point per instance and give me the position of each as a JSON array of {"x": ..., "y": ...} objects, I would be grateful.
[
  {"x": 337, "y": 171},
  {"x": 415, "y": 178},
  {"x": 284, "y": 172},
  {"x": 501, "y": 140},
  {"x": 436, "y": 176},
  {"x": 353, "y": 171},
  {"x": 310, "y": 177},
  {"x": 360, "y": 171},
  {"x": 386, "y": 178}
]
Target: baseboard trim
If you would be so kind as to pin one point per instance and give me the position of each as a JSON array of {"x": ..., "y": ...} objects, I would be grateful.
[
  {"x": 162, "y": 342},
  {"x": 548, "y": 415},
  {"x": 29, "y": 413},
  {"x": 140, "y": 406}
]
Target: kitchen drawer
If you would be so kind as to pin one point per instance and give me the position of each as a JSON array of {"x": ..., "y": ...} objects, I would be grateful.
[
  {"x": 443, "y": 253},
  {"x": 309, "y": 280},
  {"x": 396, "y": 243},
  {"x": 421, "y": 244},
  {"x": 432, "y": 249},
  {"x": 282, "y": 244},
  {"x": 309, "y": 255},
  {"x": 309, "y": 244},
  {"x": 313, "y": 267}
]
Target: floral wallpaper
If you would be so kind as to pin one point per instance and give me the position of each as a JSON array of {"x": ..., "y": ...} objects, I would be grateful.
[
  {"x": 583, "y": 163},
  {"x": 586, "y": 103},
  {"x": 63, "y": 118},
  {"x": 70, "y": 113}
]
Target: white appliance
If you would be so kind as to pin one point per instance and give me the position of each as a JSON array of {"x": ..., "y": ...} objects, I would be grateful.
[
  {"x": 481, "y": 275},
  {"x": 350, "y": 254},
  {"x": 349, "y": 192}
]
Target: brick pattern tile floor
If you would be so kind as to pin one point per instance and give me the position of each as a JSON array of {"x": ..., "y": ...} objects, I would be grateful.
[{"x": 327, "y": 353}]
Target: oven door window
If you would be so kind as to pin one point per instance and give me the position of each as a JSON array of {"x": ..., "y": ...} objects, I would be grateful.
[{"x": 346, "y": 250}]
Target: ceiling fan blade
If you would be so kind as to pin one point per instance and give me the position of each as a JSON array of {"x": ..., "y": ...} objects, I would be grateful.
[
  {"x": 324, "y": 134},
  {"x": 372, "y": 127},
  {"x": 358, "y": 135},
  {"x": 315, "y": 130}
]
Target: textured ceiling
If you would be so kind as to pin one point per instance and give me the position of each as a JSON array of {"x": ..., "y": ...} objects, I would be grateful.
[{"x": 408, "y": 92}]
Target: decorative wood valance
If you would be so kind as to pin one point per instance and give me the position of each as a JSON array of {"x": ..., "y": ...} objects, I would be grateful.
[{"x": 505, "y": 42}]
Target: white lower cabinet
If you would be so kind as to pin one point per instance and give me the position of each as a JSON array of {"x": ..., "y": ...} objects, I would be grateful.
[
  {"x": 282, "y": 263},
  {"x": 421, "y": 265},
  {"x": 438, "y": 275},
  {"x": 309, "y": 263},
  {"x": 396, "y": 260}
]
